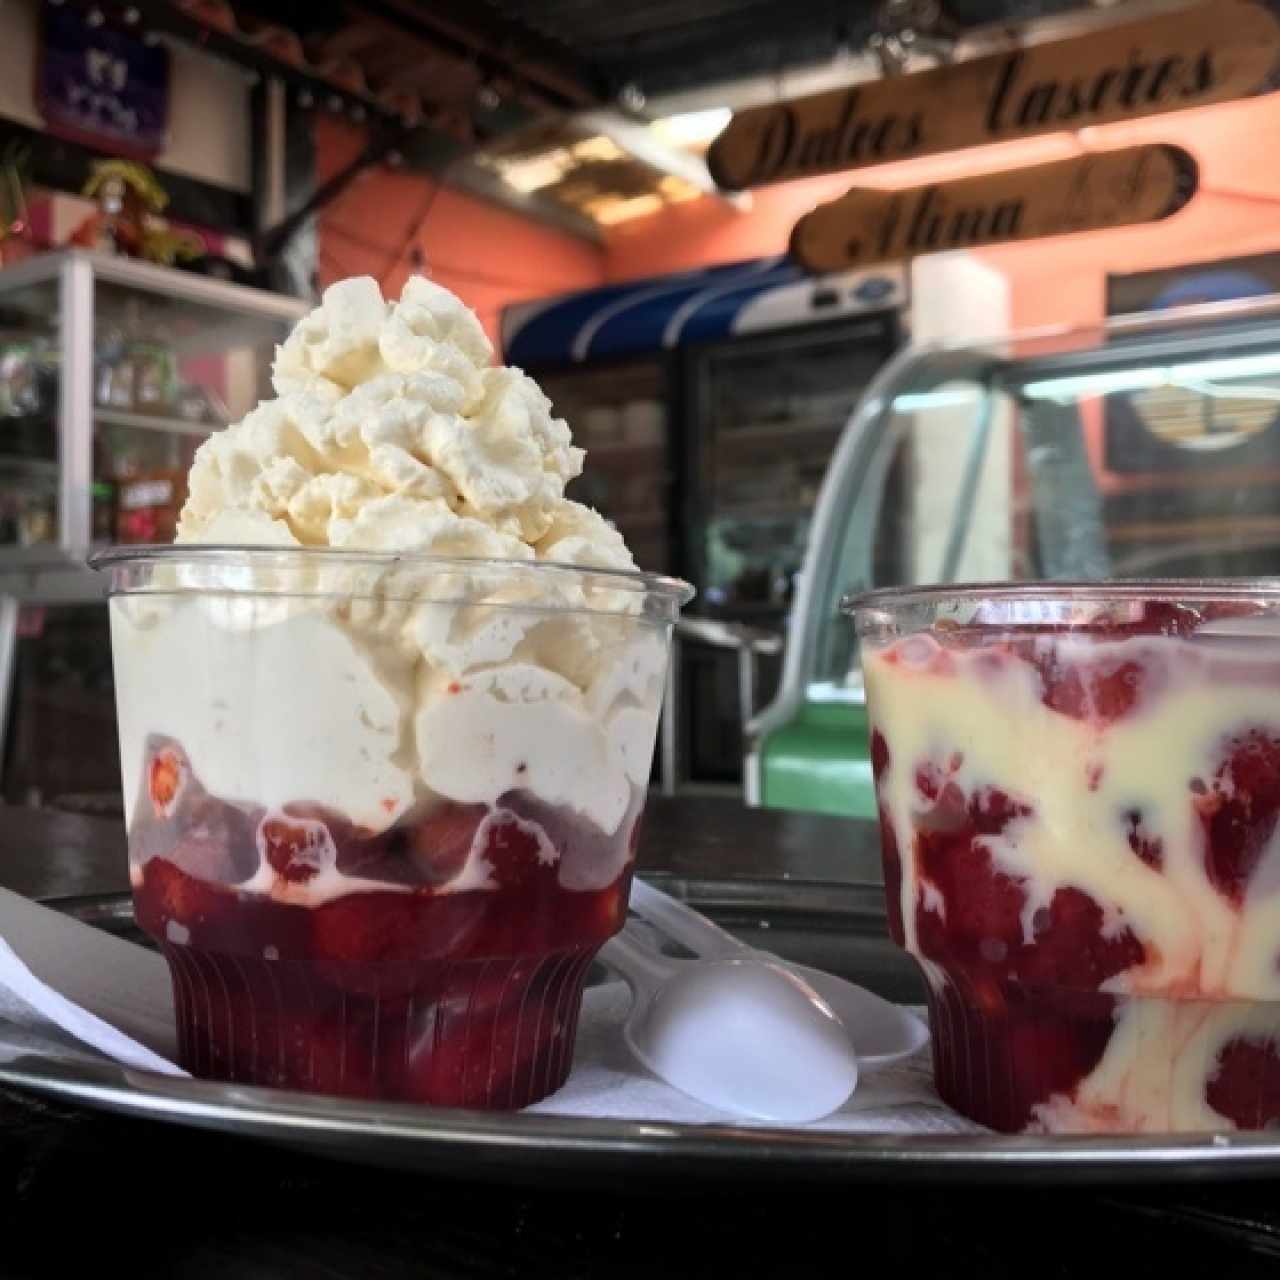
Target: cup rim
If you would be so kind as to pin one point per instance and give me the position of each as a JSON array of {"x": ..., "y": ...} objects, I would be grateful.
[
  {"x": 237, "y": 555},
  {"x": 1103, "y": 590}
]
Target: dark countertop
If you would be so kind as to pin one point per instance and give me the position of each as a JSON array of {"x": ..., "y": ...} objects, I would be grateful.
[
  {"x": 695, "y": 838},
  {"x": 81, "y": 1189}
]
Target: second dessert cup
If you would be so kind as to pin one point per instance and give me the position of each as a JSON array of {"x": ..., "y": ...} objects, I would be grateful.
[
  {"x": 1079, "y": 793},
  {"x": 371, "y": 875}
]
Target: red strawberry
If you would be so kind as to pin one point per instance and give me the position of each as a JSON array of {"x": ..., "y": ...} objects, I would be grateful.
[
  {"x": 170, "y": 894},
  {"x": 1148, "y": 847},
  {"x": 1238, "y": 811},
  {"x": 892, "y": 878},
  {"x": 981, "y": 929},
  {"x": 1070, "y": 948},
  {"x": 1099, "y": 691},
  {"x": 500, "y": 1035},
  {"x": 518, "y": 851},
  {"x": 983, "y": 906},
  {"x": 166, "y": 773},
  {"x": 441, "y": 842},
  {"x": 879, "y": 754},
  {"x": 384, "y": 943},
  {"x": 298, "y": 849},
  {"x": 1246, "y": 1086},
  {"x": 358, "y": 1055},
  {"x": 1050, "y": 1054},
  {"x": 371, "y": 929}
]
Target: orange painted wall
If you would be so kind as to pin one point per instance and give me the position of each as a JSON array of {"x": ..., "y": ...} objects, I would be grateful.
[
  {"x": 492, "y": 257},
  {"x": 486, "y": 255},
  {"x": 702, "y": 232},
  {"x": 1237, "y": 211}
]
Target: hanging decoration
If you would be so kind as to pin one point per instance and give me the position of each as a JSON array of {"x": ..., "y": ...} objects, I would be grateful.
[{"x": 100, "y": 85}]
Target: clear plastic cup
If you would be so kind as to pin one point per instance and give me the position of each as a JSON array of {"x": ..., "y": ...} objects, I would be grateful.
[
  {"x": 382, "y": 810},
  {"x": 1079, "y": 788}
]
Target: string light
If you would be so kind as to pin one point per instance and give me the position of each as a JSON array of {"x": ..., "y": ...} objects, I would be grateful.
[{"x": 631, "y": 97}]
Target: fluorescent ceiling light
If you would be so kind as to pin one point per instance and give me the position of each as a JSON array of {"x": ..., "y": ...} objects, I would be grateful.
[
  {"x": 691, "y": 128},
  {"x": 597, "y": 150},
  {"x": 1097, "y": 384},
  {"x": 915, "y": 400},
  {"x": 610, "y": 210},
  {"x": 532, "y": 172}
]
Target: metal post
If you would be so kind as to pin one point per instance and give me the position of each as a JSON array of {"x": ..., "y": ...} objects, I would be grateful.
[
  {"x": 272, "y": 205},
  {"x": 8, "y": 662},
  {"x": 746, "y": 682},
  {"x": 75, "y": 407},
  {"x": 670, "y": 711}
]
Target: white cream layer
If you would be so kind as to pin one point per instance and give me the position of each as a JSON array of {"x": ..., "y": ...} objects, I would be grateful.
[{"x": 278, "y": 703}]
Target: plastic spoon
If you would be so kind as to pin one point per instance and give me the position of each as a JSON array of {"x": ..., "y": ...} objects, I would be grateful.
[
  {"x": 743, "y": 1033},
  {"x": 883, "y": 1032}
]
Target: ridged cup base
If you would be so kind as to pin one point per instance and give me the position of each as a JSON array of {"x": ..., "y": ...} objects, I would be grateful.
[
  {"x": 1062, "y": 1061},
  {"x": 496, "y": 1034}
]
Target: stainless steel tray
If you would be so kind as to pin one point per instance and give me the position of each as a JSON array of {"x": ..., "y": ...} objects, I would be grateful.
[{"x": 528, "y": 1148}]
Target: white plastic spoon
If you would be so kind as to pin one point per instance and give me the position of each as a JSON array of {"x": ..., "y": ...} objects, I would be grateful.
[
  {"x": 882, "y": 1031},
  {"x": 743, "y": 1034}
]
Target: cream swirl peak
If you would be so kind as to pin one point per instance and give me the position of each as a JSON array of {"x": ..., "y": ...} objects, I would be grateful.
[{"x": 392, "y": 430}]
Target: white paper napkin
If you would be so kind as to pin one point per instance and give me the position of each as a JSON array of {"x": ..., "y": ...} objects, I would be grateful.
[{"x": 69, "y": 991}]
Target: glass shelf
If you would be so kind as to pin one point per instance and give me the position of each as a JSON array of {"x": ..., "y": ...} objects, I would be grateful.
[{"x": 154, "y": 422}]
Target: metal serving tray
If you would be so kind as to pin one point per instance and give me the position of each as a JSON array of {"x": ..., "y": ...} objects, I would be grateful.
[{"x": 527, "y": 1148}]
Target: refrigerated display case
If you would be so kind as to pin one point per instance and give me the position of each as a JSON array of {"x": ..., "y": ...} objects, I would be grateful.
[
  {"x": 710, "y": 402},
  {"x": 111, "y": 374},
  {"x": 1147, "y": 446},
  {"x": 620, "y": 413},
  {"x": 769, "y": 411}
]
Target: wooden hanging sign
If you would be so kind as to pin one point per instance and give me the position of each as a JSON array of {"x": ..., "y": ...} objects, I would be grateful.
[
  {"x": 1084, "y": 193},
  {"x": 1216, "y": 52}
]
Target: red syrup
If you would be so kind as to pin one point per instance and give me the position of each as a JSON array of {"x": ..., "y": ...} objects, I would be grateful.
[{"x": 412, "y": 991}]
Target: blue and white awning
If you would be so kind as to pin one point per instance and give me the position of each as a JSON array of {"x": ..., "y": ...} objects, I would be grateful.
[{"x": 690, "y": 307}]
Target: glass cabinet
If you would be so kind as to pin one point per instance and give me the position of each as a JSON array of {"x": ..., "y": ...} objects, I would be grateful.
[
  {"x": 1148, "y": 446},
  {"x": 111, "y": 373}
]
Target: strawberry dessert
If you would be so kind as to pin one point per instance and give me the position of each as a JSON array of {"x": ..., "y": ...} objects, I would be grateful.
[
  {"x": 1079, "y": 793},
  {"x": 387, "y": 714}
]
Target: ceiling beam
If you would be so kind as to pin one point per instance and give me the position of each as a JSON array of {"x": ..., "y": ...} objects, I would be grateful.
[
  {"x": 638, "y": 141},
  {"x": 476, "y": 181},
  {"x": 506, "y": 51}
]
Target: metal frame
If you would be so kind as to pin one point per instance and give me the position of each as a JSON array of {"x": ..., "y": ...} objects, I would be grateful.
[
  {"x": 75, "y": 405},
  {"x": 1157, "y": 335},
  {"x": 841, "y": 483},
  {"x": 527, "y": 1147},
  {"x": 166, "y": 281}
]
